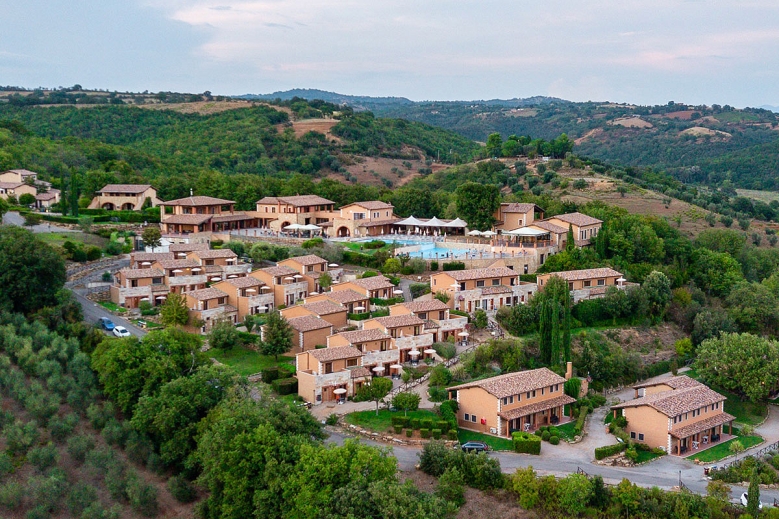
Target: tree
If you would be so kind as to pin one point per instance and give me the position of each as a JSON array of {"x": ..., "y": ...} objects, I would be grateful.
[
  {"x": 174, "y": 311},
  {"x": 406, "y": 401},
  {"x": 494, "y": 147},
  {"x": 575, "y": 492},
  {"x": 753, "y": 307},
  {"x": 151, "y": 236},
  {"x": 27, "y": 199},
  {"x": 4, "y": 207},
  {"x": 570, "y": 240},
  {"x": 622, "y": 190},
  {"x": 476, "y": 204},
  {"x": 32, "y": 219},
  {"x": 391, "y": 266},
  {"x": 325, "y": 281},
  {"x": 554, "y": 321},
  {"x": 451, "y": 486},
  {"x": 31, "y": 272},
  {"x": 276, "y": 335},
  {"x": 85, "y": 223},
  {"x": 374, "y": 391},
  {"x": 742, "y": 363},
  {"x": 715, "y": 272},
  {"x": 223, "y": 335},
  {"x": 753, "y": 494},
  {"x": 657, "y": 291}
]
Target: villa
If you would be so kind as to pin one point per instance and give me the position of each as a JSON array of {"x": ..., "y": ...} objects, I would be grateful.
[
  {"x": 376, "y": 287},
  {"x": 311, "y": 267},
  {"x": 125, "y": 197},
  {"x": 196, "y": 214},
  {"x": 436, "y": 315},
  {"x": 488, "y": 289},
  {"x": 330, "y": 374},
  {"x": 584, "y": 227},
  {"x": 586, "y": 283},
  {"x": 331, "y": 312},
  {"x": 509, "y": 216},
  {"x": 278, "y": 212},
  {"x": 287, "y": 284},
  {"x": 208, "y": 306},
  {"x": 372, "y": 218},
  {"x": 678, "y": 414}
]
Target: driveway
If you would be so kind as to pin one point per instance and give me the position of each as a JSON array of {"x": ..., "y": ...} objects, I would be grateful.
[
  {"x": 93, "y": 312},
  {"x": 14, "y": 218}
]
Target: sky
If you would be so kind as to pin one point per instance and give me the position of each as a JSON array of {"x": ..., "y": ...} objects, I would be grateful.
[{"x": 643, "y": 52}]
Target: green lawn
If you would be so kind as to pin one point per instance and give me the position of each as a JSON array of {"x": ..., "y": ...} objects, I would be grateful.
[
  {"x": 495, "y": 443},
  {"x": 644, "y": 456},
  {"x": 383, "y": 422},
  {"x": 248, "y": 362},
  {"x": 355, "y": 247},
  {"x": 150, "y": 325},
  {"x": 745, "y": 411},
  {"x": 566, "y": 431},
  {"x": 722, "y": 450},
  {"x": 112, "y": 307}
]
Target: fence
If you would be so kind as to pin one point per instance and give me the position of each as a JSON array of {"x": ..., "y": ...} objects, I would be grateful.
[
  {"x": 414, "y": 383},
  {"x": 764, "y": 450}
]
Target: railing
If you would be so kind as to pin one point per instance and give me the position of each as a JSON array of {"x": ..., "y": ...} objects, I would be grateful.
[
  {"x": 683, "y": 487},
  {"x": 768, "y": 448},
  {"x": 414, "y": 383},
  {"x": 581, "y": 471}
]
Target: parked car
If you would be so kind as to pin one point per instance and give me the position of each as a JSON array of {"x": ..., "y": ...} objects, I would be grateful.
[
  {"x": 106, "y": 323},
  {"x": 476, "y": 447},
  {"x": 745, "y": 498},
  {"x": 121, "y": 331}
]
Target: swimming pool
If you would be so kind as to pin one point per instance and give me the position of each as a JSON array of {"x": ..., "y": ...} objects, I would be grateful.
[{"x": 433, "y": 252}]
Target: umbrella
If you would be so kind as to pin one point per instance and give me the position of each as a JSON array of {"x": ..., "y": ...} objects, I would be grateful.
[
  {"x": 378, "y": 369},
  {"x": 297, "y": 276},
  {"x": 409, "y": 222},
  {"x": 339, "y": 391},
  {"x": 289, "y": 278},
  {"x": 435, "y": 222},
  {"x": 396, "y": 366},
  {"x": 489, "y": 233},
  {"x": 177, "y": 271},
  {"x": 474, "y": 233},
  {"x": 160, "y": 297},
  {"x": 360, "y": 308},
  {"x": 182, "y": 254},
  {"x": 146, "y": 263},
  {"x": 265, "y": 287},
  {"x": 397, "y": 292},
  {"x": 457, "y": 223},
  {"x": 263, "y": 308},
  {"x": 310, "y": 227},
  {"x": 144, "y": 299},
  {"x": 430, "y": 351},
  {"x": 333, "y": 265},
  {"x": 217, "y": 278},
  {"x": 196, "y": 269},
  {"x": 293, "y": 227},
  {"x": 414, "y": 353},
  {"x": 250, "y": 290},
  {"x": 621, "y": 280},
  {"x": 463, "y": 334},
  {"x": 231, "y": 276}
]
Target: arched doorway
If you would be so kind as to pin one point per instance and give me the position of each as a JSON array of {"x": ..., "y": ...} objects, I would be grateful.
[
  {"x": 129, "y": 206},
  {"x": 284, "y": 225},
  {"x": 108, "y": 206},
  {"x": 343, "y": 232}
]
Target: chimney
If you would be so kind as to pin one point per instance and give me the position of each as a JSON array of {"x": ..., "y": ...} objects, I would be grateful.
[
  {"x": 568, "y": 370},
  {"x": 190, "y": 192}
]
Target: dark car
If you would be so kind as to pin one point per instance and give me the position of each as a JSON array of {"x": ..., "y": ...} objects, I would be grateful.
[
  {"x": 476, "y": 447},
  {"x": 106, "y": 323}
]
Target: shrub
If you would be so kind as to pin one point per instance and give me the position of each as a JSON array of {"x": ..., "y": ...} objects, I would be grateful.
[
  {"x": 453, "y": 265},
  {"x": 11, "y": 495},
  {"x": 433, "y": 266},
  {"x": 181, "y": 489},
  {"x": 398, "y": 428},
  {"x": 43, "y": 457},
  {"x": 545, "y": 436},
  {"x": 98, "y": 415},
  {"x": 443, "y": 425},
  {"x": 142, "y": 496},
  {"x": 409, "y": 432},
  {"x": 6, "y": 465},
  {"x": 526, "y": 443},
  {"x": 437, "y": 434},
  {"x": 452, "y": 434},
  {"x": 451, "y": 486},
  {"x": 572, "y": 387},
  {"x": 79, "y": 446},
  {"x": 632, "y": 454},
  {"x": 426, "y": 423},
  {"x": 286, "y": 386},
  {"x": 419, "y": 289},
  {"x": 554, "y": 440},
  {"x": 79, "y": 498},
  {"x": 60, "y": 427},
  {"x": 138, "y": 447},
  {"x": 20, "y": 436},
  {"x": 115, "y": 432},
  {"x": 415, "y": 423},
  {"x": 332, "y": 419},
  {"x": 425, "y": 433},
  {"x": 609, "y": 450},
  {"x": 583, "y": 411},
  {"x": 116, "y": 480}
]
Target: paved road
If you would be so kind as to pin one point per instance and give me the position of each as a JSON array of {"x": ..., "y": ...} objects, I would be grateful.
[
  {"x": 14, "y": 218},
  {"x": 93, "y": 312}
]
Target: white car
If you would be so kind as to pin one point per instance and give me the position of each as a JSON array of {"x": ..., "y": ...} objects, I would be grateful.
[
  {"x": 121, "y": 331},
  {"x": 744, "y": 499}
]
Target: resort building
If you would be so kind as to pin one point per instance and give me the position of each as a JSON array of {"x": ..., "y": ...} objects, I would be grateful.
[
  {"x": 488, "y": 289},
  {"x": 16, "y": 189},
  {"x": 372, "y": 218},
  {"x": 331, "y": 312},
  {"x": 409, "y": 333},
  {"x": 680, "y": 415},
  {"x": 309, "y": 332},
  {"x": 278, "y": 212},
  {"x": 44, "y": 201},
  {"x": 521, "y": 401},
  {"x": 20, "y": 176},
  {"x": 437, "y": 318},
  {"x": 586, "y": 283},
  {"x": 510, "y": 216},
  {"x": 584, "y": 227},
  {"x": 131, "y": 286},
  {"x": 354, "y": 302},
  {"x": 376, "y": 287},
  {"x": 219, "y": 264},
  {"x": 312, "y": 267},
  {"x": 208, "y": 306},
  {"x": 330, "y": 374},
  {"x": 195, "y": 214},
  {"x": 125, "y": 197},
  {"x": 286, "y": 283},
  {"x": 246, "y": 294}
]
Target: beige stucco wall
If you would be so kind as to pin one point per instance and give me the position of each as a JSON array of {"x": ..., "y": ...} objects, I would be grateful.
[
  {"x": 315, "y": 337},
  {"x": 481, "y": 403},
  {"x": 650, "y": 422}
]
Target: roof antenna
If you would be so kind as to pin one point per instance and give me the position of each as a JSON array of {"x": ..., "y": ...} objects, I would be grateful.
[{"x": 190, "y": 191}]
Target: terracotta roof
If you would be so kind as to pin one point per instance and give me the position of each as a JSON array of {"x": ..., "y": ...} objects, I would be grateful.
[
  {"x": 244, "y": 282},
  {"x": 11, "y": 185},
  {"x": 130, "y": 189},
  {"x": 430, "y": 305},
  {"x": 206, "y": 293},
  {"x": 232, "y": 217},
  {"x": 214, "y": 253},
  {"x": 576, "y": 275},
  {"x": 537, "y": 407},
  {"x": 309, "y": 259},
  {"x": 187, "y": 219},
  {"x": 515, "y": 383},
  {"x": 360, "y": 371},
  {"x": 324, "y": 307},
  {"x": 677, "y": 401},
  {"x": 280, "y": 270},
  {"x": 702, "y": 425},
  {"x": 396, "y": 321},
  {"x": 372, "y": 205},
  {"x": 298, "y": 201},
  {"x": 331, "y": 354},
  {"x": 187, "y": 247},
  {"x": 576, "y": 219},
  {"x": 680, "y": 382},
  {"x": 307, "y": 323},
  {"x": 518, "y": 208},
  {"x": 193, "y": 201},
  {"x": 141, "y": 273},
  {"x": 499, "y": 289},
  {"x": 138, "y": 257},
  {"x": 493, "y": 272},
  {"x": 376, "y": 223},
  {"x": 359, "y": 336},
  {"x": 50, "y": 195},
  {"x": 346, "y": 296},
  {"x": 22, "y": 172},
  {"x": 374, "y": 283},
  {"x": 177, "y": 263},
  {"x": 546, "y": 226}
]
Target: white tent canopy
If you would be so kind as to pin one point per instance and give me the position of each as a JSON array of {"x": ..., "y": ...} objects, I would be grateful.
[
  {"x": 294, "y": 227},
  {"x": 474, "y": 233},
  {"x": 489, "y": 233},
  {"x": 410, "y": 222},
  {"x": 434, "y": 222},
  {"x": 457, "y": 222},
  {"x": 310, "y": 227},
  {"x": 525, "y": 231}
]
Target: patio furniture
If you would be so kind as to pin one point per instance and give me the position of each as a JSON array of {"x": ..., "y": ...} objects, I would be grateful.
[
  {"x": 527, "y": 427},
  {"x": 715, "y": 438},
  {"x": 555, "y": 419},
  {"x": 705, "y": 440},
  {"x": 695, "y": 444}
]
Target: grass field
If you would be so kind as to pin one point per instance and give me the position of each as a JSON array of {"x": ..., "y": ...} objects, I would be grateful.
[
  {"x": 59, "y": 238},
  {"x": 566, "y": 431},
  {"x": 112, "y": 307},
  {"x": 722, "y": 450},
  {"x": 248, "y": 362},
  {"x": 495, "y": 443},
  {"x": 745, "y": 411},
  {"x": 644, "y": 456},
  {"x": 360, "y": 247},
  {"x": 383, "y": 422},
  {"x": 755, "y": 194}
]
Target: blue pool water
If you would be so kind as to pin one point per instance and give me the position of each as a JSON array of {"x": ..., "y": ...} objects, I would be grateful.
[{"x": 430, "y": 251}]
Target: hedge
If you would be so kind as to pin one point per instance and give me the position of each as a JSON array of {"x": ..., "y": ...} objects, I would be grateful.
[
  {"x": 437, "y": 434},
  {"x": 526, "y": 443},
  {"x": 386, "y": 302},
  {"x": 359, "y": 317},
  {"x": 72, "y": 219},
  {"x": 454, "y": 265},
  {"x": 452, "y": 311},
  {"x": 270, "y": 374},
  {"x": 609, "y": 450},
  {"x": 415, "y": 424},
  {"x": 286, "y": 386},
  {"x": 443, "y": 425},
  {"x": 583, "y": 411},
  {"x": 425, "y": 433}
]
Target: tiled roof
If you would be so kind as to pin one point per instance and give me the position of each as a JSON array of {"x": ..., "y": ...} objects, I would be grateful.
[
  {"x": 130, "y": 189},
  {"x": 187, "y": 219},
  {"x": 376, "y": 223},
  {"x": 396, "y": 321},
  {"x": 307, "y": 323},
  {"x": 494, "y": 272},
  {"x": 360, "y": 372},
  {"x": 244, "y": 282},
  {"x": 677, "y": 401},
  {"x": 374, "y": 283},
  {"x": 141, "y": 273},
  {"x": 22, "y": 172},
  {"x": 547, "y": 226},
  {"x": 193, "y": 201},
  {"x": 298, "y": 201},
  {"x": 309, "y": 259},
  {"x": 346, "y": 296},
  {"x": 515, "y": 383},
  {"x": 537, "y": 407},
  {"x": 430, "y": 305},
  {"x": 50, "y": 195},
  {"x": 206, "y": 293},
  {"x": 138, "y": 257},
  {"x": 578, "y": 219},
  {"x": 499, "y": 289},
  {"x": 187, "y": 247},
  {"x": 280, "y": 270},
  {"x": 232, "y": 217},
  {"x": 702, "y": 425},
  {"x": 214, "y": 253},
  {"x": 331, "y": 354},
  {"x": 518, "y": 208},
  {"x": 576, "y": 275},
  {"x": 11, "y": 185},
  {"x": 680, "y": 382},
  {"x": 177, "y": 263},
  {"x": 359, "y": 336},
  {"x": 324, "y": 307},
  {"x": 373, "y": 205}
]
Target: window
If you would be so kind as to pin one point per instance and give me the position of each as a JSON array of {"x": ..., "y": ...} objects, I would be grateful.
[
  {"x": 601, "y": 282},
  {"x": 423, "y": 315},
  {"x": 640, "y": 437},
  {"x": 351, "y": 363},
  {"x": 528, "y": 395},
  {"x": 632, "y": 435},
  {"x": 480, "y": 283},
  {"x": 467, "y": 417},
  {"x": 473, "y": 418},
  {"x": 328, "y": 367},
  {"x": 508, "y": 400},
  {"x": 495, "y": 282},
  {"x": 526, "y": 267},
  {"x": 588, "y": 283}
]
